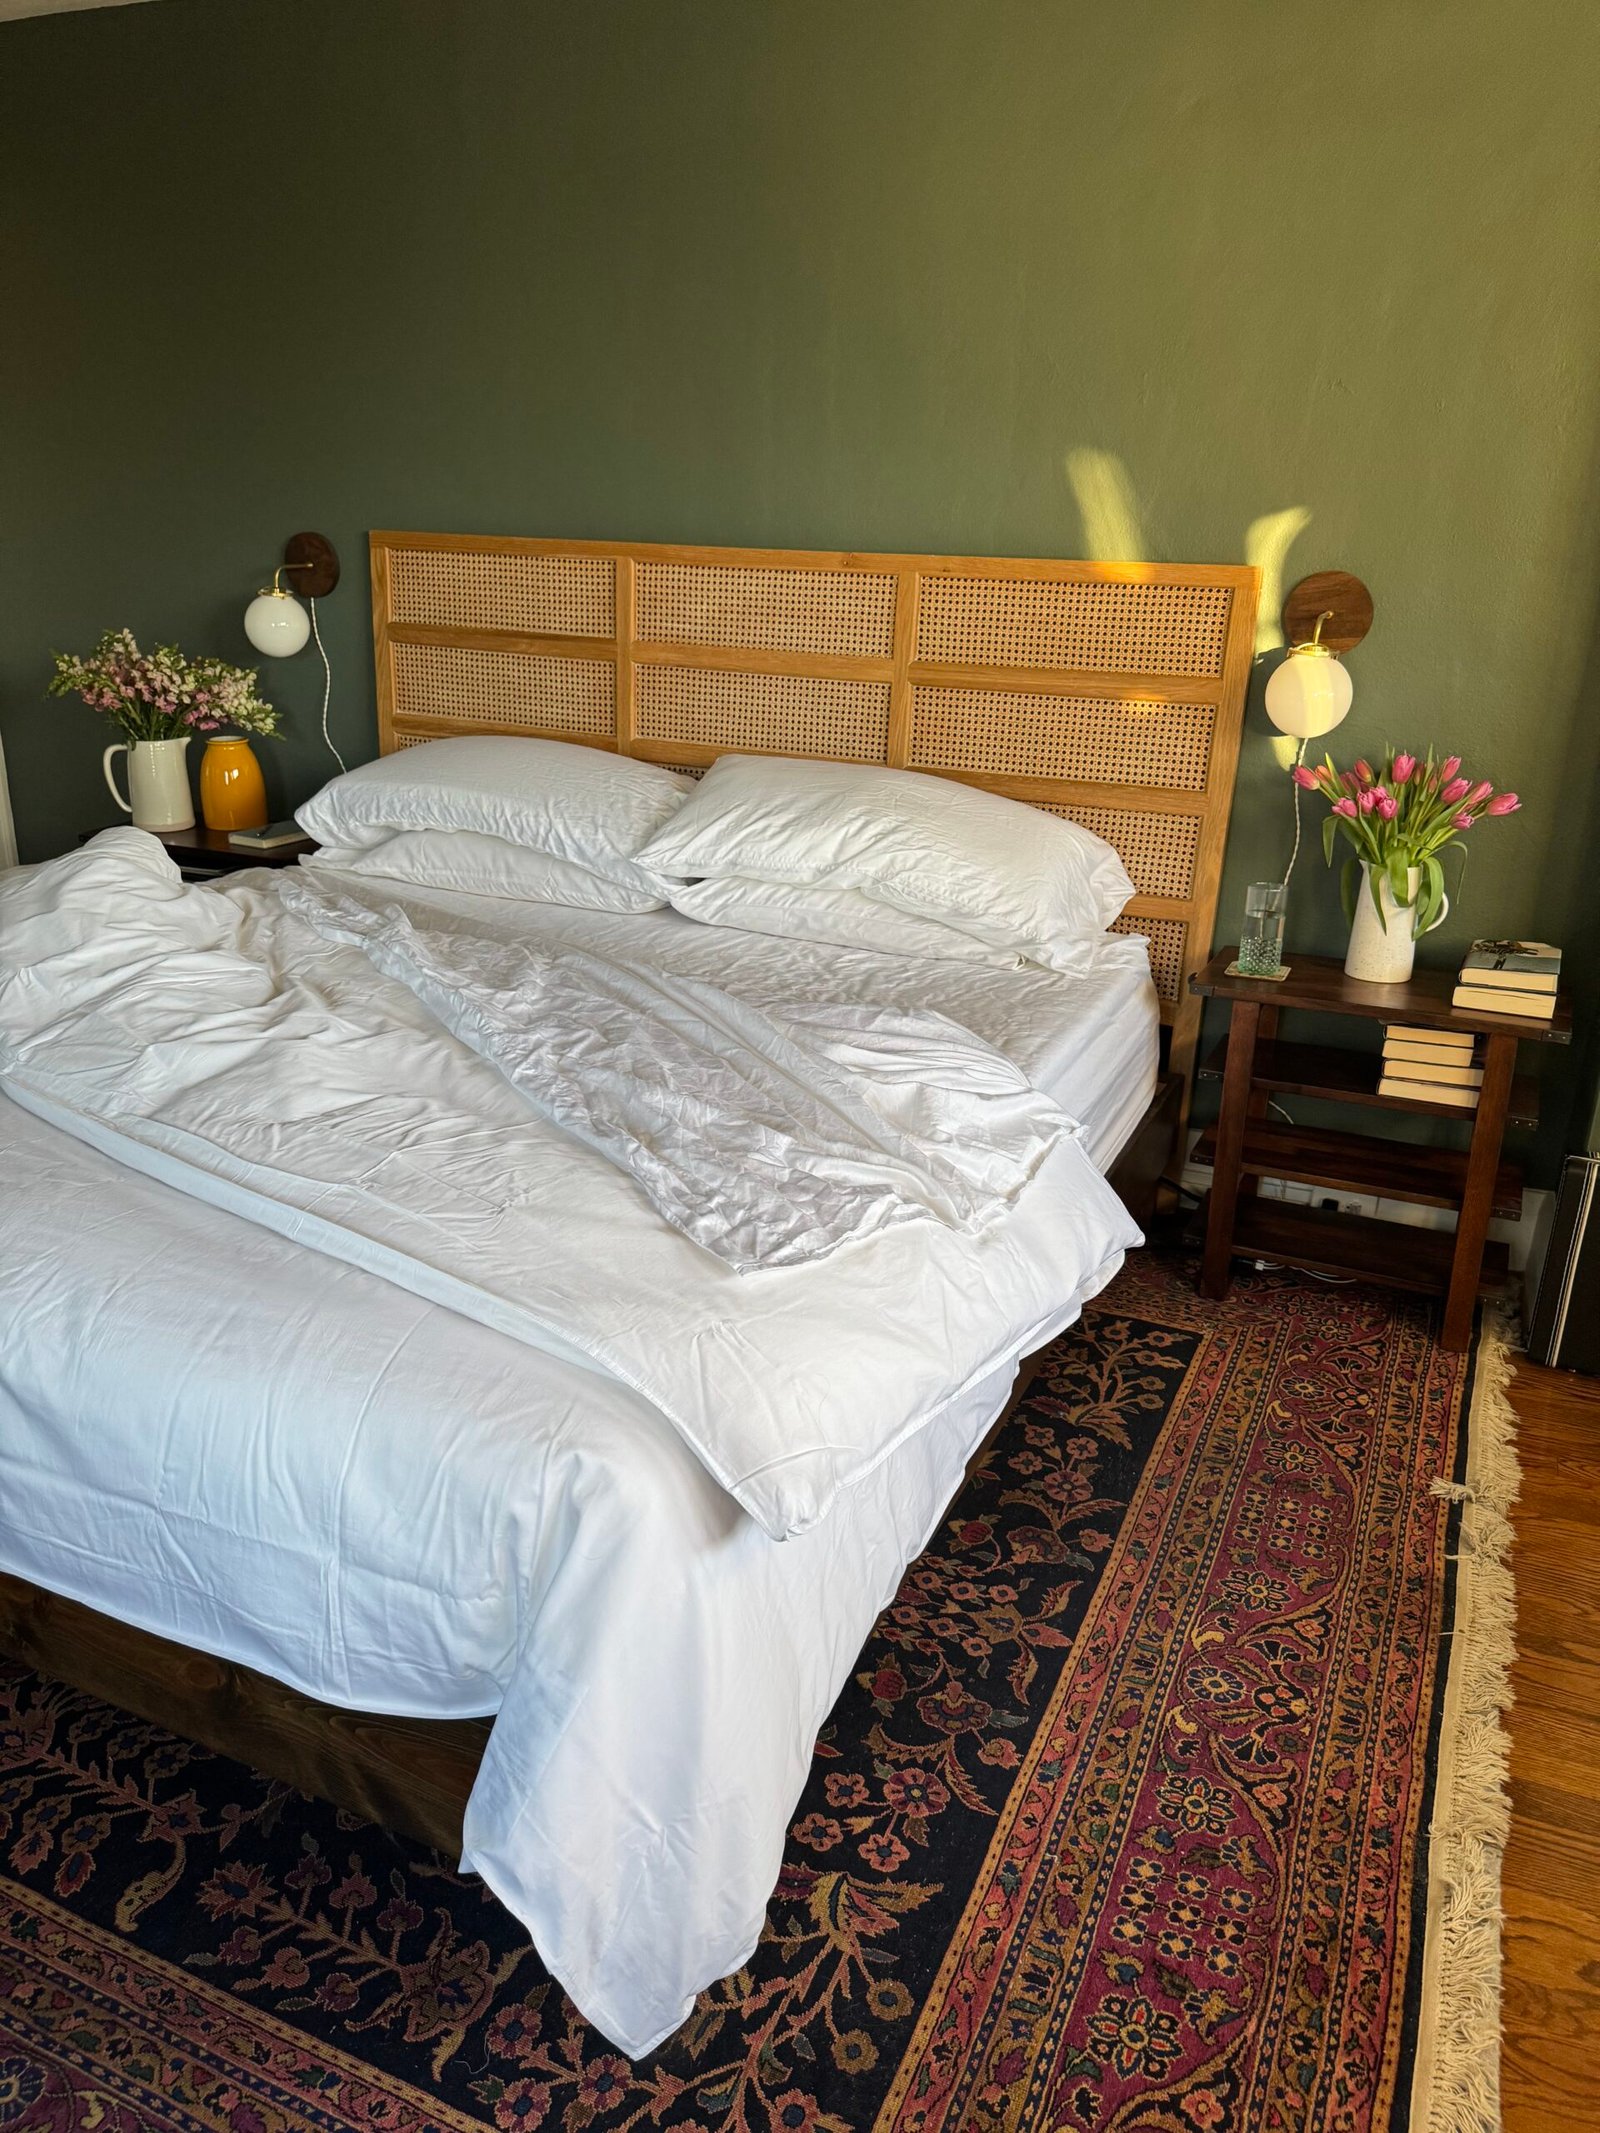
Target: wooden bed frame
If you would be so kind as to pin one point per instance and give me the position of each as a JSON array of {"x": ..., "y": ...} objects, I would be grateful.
[{"x": 1112, "y": 693}]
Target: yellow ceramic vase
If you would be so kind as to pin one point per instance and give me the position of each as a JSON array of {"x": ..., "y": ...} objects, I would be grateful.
[{"x": 232, "y": 796}]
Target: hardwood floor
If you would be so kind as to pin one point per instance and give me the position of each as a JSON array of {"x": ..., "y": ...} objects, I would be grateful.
[{"x": 1551, "y": 2064}]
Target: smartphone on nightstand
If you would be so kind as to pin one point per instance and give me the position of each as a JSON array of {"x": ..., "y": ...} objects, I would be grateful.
[{"x": 268, "y": 839}]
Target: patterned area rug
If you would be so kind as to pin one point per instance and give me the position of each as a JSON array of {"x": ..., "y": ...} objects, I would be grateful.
[{"x": 1122, "y": 1822}]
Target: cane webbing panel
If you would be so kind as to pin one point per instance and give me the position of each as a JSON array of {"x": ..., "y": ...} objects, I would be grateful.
[
  {"x": 849, "y": 612},
  {"x": 963, "y": 666},
  {"x": 504, "y": 688},
  {"x": 776, "y": 714},
  {"x": 1094, "y": 627},
  {"x": 553, "y": 595},
  {"x": 1166, "y": 937},
  {"x": 1091, "y": 740},
  {"x": 1157, "y": 850}
]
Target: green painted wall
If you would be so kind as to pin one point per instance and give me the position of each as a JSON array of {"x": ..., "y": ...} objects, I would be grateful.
[{"x": 824, "y": 272}]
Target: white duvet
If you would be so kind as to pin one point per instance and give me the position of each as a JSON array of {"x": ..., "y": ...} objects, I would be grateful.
[
  {"x": 768, "y": 1137},
  {"x": 225, "y": 1047},
  {"x": 273, "y": 1454}
]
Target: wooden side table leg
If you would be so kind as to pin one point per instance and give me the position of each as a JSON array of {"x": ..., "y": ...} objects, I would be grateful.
[
  {"x": 1477, "y": 1201},
  {"x": 1266, "y": 1030},
  {"x": 1231, "y": 1121}
]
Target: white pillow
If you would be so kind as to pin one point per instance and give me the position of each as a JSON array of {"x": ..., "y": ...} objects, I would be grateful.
[
  {"x": 843, "y": 917},
  {"x": 483, "y": 866},
  {"x": 584, "y": 805},
  {"x": 1002, "y": 872}
]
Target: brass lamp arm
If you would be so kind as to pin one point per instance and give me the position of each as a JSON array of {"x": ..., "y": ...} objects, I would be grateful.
[{"x": 275, "y": 590}]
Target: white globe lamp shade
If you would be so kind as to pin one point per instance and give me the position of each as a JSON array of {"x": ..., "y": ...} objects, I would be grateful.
[
  {"x": 1309, "y": 693},
  {"x": 276, "y": 624}
]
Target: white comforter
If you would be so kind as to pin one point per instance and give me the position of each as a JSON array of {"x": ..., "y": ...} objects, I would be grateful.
[
  {"x": 231, "y": 1440},
  {"x": 226, "y": 1048},
  {"x": 769, "y": 1138}
]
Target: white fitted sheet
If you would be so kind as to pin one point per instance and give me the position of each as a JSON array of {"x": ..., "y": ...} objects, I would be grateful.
[{"x": 185, "y": 1397}]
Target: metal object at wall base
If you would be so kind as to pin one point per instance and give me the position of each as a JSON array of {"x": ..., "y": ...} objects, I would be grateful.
[{"x": 1563, "y": 1316}]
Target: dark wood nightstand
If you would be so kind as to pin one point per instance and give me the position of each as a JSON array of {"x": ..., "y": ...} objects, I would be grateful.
[
  {"x": 1244, "y": 1145},
  {"x": 201, "y": 854}
]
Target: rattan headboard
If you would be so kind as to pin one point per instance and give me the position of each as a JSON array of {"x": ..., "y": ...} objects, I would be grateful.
[{"x": 1109, "y": 692}]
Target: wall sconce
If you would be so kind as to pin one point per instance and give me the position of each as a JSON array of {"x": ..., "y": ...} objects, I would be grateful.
[
  {"x": 275, "y": 622},
  {"x": 1309, "y": 692},
  {"x": 278, "y": 626}
]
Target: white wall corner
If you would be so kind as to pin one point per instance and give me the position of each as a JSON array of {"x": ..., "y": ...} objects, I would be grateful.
[{"x": 8, "y": 828}]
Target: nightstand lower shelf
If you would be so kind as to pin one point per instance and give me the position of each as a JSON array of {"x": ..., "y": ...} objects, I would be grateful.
[
  {"x": 1356, "y": 1247},
  {"x": 1364, "y": 1163}
]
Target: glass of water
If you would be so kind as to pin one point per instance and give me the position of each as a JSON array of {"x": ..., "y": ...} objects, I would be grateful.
[{"x": 1261, "y": 942}]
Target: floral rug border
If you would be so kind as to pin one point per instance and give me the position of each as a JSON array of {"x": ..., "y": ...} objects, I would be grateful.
[{"x": 1456, "y": 2074}]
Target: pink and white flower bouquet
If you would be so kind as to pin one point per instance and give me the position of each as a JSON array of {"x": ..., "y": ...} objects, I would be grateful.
[
  {"x": 1399, "y": 817},
  {"x": 163, "y": 695}
]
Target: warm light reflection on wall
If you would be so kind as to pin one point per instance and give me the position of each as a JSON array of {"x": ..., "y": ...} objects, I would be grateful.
[
  {"x": 1267, "y": 542},
  {"x": 1112, "y": 533},
  {"x": 1111, "y": 529}
]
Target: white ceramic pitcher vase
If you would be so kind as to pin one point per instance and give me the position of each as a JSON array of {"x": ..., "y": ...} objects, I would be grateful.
[
  {"x": 1382, "y": 952},
  {"x": 158, "y": 783}
]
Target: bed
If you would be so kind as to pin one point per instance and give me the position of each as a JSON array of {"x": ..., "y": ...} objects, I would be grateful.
[{"x": 379, "y": 1523}]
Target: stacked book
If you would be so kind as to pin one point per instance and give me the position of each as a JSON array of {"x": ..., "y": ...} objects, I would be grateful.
[
  {"x": 1510, "y": 978},
  {"x": 1433, "y": 1066}
]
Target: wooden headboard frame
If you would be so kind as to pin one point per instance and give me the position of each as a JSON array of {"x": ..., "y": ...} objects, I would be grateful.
[{"x": 1112, "y": 693}]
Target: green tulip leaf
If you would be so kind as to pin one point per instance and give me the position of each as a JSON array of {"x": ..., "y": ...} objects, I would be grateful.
[
  {"x": 1399, "y": 879},
  {"x": 1350, "y": 887}
]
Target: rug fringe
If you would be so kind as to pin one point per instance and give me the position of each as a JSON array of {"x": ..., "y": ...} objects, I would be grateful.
[{"x": 1457, "y": 2082}]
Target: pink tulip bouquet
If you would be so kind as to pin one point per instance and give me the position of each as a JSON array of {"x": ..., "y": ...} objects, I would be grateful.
[{"x": 1399, "y": 817}]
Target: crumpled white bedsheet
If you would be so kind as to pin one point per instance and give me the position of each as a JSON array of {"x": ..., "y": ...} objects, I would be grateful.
[
  {"x": 223, "y": 1047},
  {"x": 768, "y": 1137}
]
